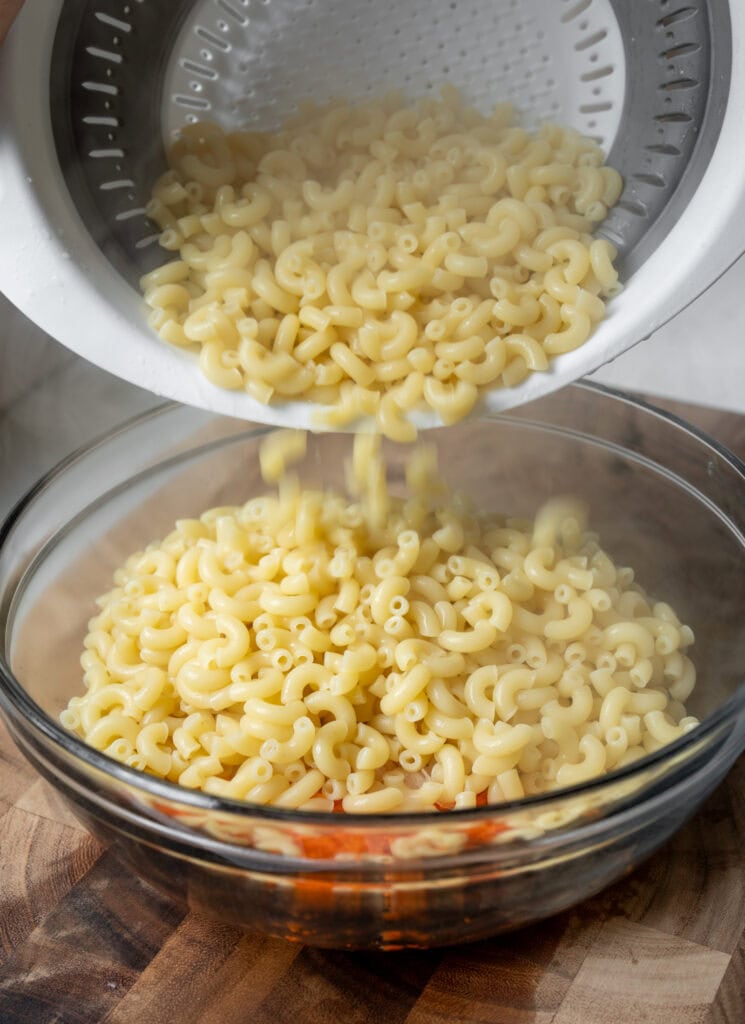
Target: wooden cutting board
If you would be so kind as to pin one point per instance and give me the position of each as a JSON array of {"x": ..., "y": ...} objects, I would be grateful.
[{"x": 82, "y": 942}]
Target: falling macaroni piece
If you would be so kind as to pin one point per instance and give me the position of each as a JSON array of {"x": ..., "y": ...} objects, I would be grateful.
[
  {"x": 380, "y": 258},
  {"x": 380, "y": 654}
]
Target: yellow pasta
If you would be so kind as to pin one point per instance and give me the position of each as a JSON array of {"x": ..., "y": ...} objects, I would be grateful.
[
  {"x": 377, "y": 653},
  {"x": 417, "y": 253}
]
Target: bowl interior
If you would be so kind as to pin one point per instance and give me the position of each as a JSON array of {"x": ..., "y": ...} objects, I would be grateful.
[{"x": 685, "y": 548}]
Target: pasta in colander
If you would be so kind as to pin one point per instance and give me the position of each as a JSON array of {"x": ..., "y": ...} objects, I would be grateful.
[{"x": 380, "y": 258}]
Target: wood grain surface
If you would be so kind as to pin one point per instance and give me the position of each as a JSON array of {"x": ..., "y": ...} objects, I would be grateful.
[{"x": 82, "y": 942}]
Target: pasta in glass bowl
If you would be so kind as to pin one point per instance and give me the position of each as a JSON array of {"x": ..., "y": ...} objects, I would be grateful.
[{"x": 663, "y": 498}]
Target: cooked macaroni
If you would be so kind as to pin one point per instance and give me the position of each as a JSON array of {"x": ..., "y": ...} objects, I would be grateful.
[
  {"x": 378, "y": 258},
  {"x": 379, "y": 654}
]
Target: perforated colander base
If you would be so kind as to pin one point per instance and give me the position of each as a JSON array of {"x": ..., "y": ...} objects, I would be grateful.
[
  {"x": 249, "y": 63},
  {"x": 649, "y": 79}
]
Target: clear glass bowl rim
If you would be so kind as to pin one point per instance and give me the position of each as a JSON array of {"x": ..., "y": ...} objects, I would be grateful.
[{"x": 15, "y": 701}]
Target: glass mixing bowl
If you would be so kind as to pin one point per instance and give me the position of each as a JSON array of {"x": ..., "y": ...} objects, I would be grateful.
[{"x": 663, "y": 498}]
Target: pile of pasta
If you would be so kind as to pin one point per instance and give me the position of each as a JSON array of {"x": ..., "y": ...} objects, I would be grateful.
[
  {"x": 375, "y": 653},
  {"x": 384, "y": 257}
]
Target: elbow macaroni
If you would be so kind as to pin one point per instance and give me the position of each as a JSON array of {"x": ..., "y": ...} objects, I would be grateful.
[
  {"x": 342, "y": 261},
  {"x": 309, "y": 650}
]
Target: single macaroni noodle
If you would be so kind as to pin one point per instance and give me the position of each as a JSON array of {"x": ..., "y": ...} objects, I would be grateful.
[
  {"x": 376, "y": 653},
  {"x": 377, "y": 258}
]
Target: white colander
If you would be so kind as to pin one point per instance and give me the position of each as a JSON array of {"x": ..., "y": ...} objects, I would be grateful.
[{"x": 90, "y": 89}]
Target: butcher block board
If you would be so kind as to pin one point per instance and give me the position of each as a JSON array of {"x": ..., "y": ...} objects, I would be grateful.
[{"x": 83, "y": 942}]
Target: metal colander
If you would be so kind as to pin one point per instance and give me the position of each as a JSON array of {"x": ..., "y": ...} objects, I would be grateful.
[{"x": 109, "y": 81}]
